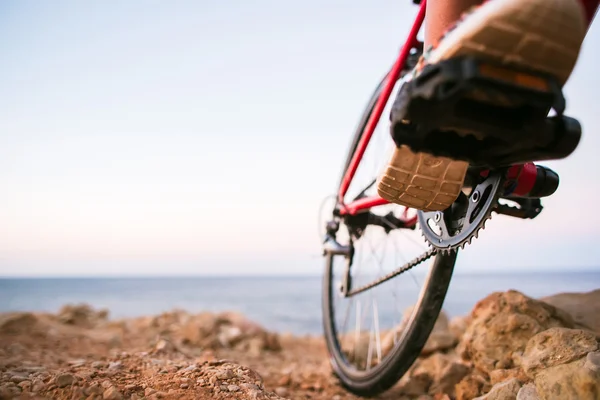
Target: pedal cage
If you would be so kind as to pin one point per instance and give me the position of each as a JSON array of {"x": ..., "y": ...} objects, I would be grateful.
[{"x": 485, "y": 114}]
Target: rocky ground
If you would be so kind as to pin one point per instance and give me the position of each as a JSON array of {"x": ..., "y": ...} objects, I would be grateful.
[{"x": 509, "y": 347}]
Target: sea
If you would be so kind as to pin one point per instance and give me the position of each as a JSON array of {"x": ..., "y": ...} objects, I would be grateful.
[{"x": 280, "y": 304}]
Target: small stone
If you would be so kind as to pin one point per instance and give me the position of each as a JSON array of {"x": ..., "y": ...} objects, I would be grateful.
[
  {"x": 149, "y": 392},
  {"x": 506, "y": 390},
  {"x": 200, "y": 381},
  {"x": 191, "y": 368},
  {"x": 115, "y": 365},
  {"x": 98, "y": 364},
  {"x": 135, "y": 397},
  {"x": 106, "y": 384},
  {"x": 163, "y": 346},
  {"x": 132, "y": 386},
  {"x": 77, "y": 363},
  {"x": 112, "y": 393},
  {"x": 77, "y": 393},
  {"x": 592, "y": 361},
  {"x": 184, "y": 386},
  {"x": 528, "y": 392},
  {"x": 64, "y": 380},
  {"x": 94, "y": 388},
  {"x": 18, "y": 378},
  {"x": 284, "y": 380},
  {"x": 25, "y": 385},
  {"x": 226, "y": 374},
  {"x": 281, "y": 391},
  {"x": 249, "y": 386},
  {"x": 37, "y": 386},
  {"x": 233, "y": 388}
]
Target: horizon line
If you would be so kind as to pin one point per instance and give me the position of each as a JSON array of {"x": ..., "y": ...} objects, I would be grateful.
[{"x": 279, "y": 276}]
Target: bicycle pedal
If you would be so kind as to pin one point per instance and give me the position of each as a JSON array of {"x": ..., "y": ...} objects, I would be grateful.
[{"x": 488, "y": 115}]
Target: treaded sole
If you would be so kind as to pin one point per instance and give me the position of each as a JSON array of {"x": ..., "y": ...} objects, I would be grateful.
[
  {"x": 544, "y": 35},
  {"x": 422, "y": 181}
]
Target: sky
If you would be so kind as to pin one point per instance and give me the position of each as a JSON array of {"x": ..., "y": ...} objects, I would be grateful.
[{"x": 199, "y": 137}]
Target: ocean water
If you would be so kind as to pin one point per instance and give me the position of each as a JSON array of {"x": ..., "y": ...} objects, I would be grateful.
[{"x": 282, "y": 304}]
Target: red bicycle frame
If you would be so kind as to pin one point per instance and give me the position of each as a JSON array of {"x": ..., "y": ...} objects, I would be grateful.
[{"x": 365, "y": 203}]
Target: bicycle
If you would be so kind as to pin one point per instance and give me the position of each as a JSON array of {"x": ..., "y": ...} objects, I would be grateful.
[{"x": 502, "y": 179}]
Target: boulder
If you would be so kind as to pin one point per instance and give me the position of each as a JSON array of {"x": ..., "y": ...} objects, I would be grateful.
[
  {"x": 471, "y": 386},
  {"x": 81, "y": 315},
  {"x": 584, "y": 308},
  {"x": 556, "y": 346},
  {"x": 576, "y": 380},
  {"x": 443, "y": 372},
  {"x": 501, "y": 324},
  {"x": 506, "y": 390}
]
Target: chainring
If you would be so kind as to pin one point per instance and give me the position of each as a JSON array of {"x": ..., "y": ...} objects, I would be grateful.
[{"x": 453, "y": 228}]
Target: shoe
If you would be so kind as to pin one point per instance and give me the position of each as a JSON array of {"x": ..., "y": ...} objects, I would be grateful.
[{"x": 541, "y": 35}]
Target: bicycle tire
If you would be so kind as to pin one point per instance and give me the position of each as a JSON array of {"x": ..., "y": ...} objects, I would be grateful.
[{"x": 384, "y": 375}]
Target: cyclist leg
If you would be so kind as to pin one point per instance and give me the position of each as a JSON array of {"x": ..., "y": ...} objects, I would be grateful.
[
  {"x": 543, "y": 35},
  {"x": 441, "y": 15}
]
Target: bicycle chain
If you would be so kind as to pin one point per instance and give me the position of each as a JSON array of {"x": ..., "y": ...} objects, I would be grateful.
[{"x": 404, "y": 268}]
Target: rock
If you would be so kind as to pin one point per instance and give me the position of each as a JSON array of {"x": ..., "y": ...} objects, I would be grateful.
[
  {"x": 233, "y": 388},
  {"x": 502, "y": 324},
  {"x": 9, "y": 391},
  {"x": 528, "y": 392},
  {"x": 224, "y": 374},
  {"x": 184, "y": 385},
  {"x": 458, "y": 326},
  {"x": 592, "y": 361},
  {"x": 77, "y": 363},
  {"x": 229, "y": 335},
  {"x": 106, "y": 384},
  {"x": 198, "y": 330},
  {"x": 441, "y": 338},
  {"x": 444, "y": 372},
  {"x": 568, "y": 381},
  {"x": 18, "y": 323},
  {"x": 18, "y": 378},
  {"x": 506, "y": 390},
  {"x": 37, "y": 386},
  {"x": 64, "y": 380},
  {"x": 163, "y": 346},
  {"x": 416, "y": 384},
  {"x": 115, "y": 365},
  {"x": 556, "y": 346},
  {"x": 471, "y": 386},
  {"x": 501, "y": 375},
  {"x": 583, "y": 307},
  {"x": 81, "y": 315},
  {"x": 112, "y": 393},
  {"x": 281, "y": 391}
]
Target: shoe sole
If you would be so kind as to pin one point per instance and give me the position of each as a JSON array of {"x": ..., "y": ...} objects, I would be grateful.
[{"x": 542, "y": 35}]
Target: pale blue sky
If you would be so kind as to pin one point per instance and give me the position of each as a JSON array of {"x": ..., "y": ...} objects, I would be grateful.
[{"x": 190, "y": 137}]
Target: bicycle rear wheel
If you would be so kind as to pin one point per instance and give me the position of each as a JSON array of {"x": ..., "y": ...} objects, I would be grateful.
[{"x": 385, "y": 340}]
